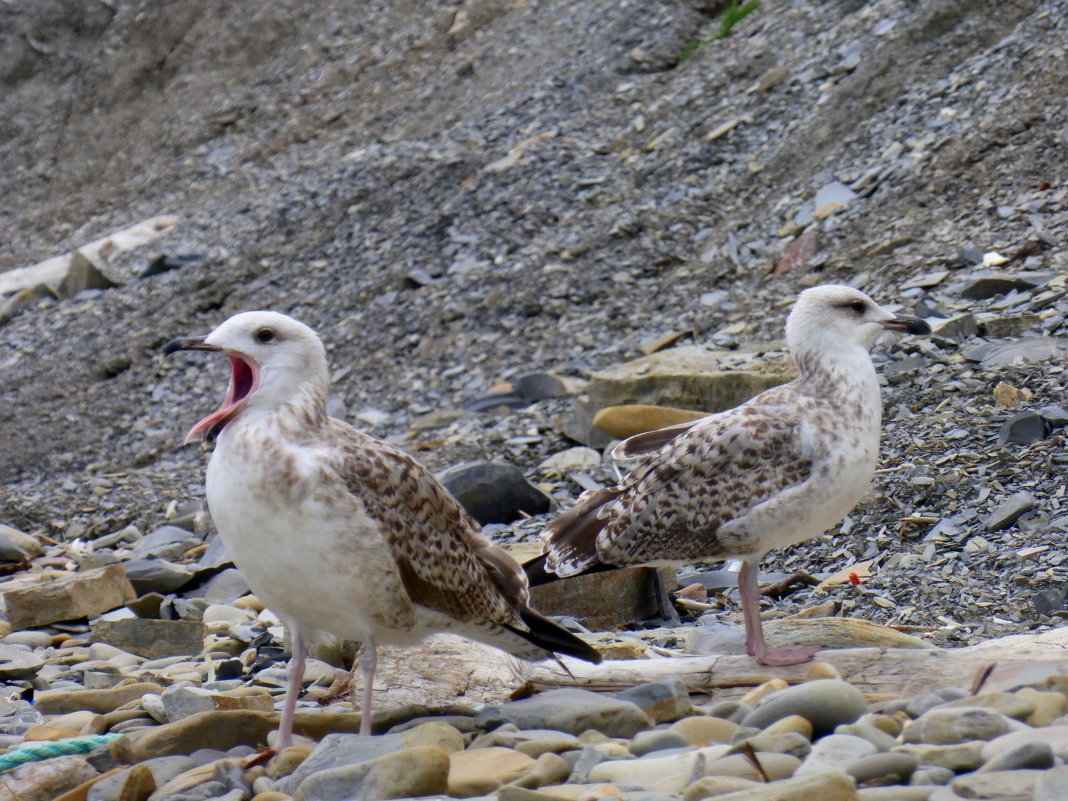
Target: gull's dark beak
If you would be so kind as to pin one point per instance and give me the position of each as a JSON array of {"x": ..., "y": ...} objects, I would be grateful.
[
  {"x": 906, "y": 324},
  {"x": 187, "y": 343}
]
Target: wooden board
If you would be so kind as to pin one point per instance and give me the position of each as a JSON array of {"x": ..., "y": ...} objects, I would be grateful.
[{"x": 877, "y": 672}]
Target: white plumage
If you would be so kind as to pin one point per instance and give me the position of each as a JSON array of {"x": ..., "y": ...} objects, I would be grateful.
[{"x": 339, "y": 532}]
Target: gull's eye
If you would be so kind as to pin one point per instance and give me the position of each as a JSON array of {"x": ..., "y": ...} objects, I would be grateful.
[
  {"x": 857, "y": 306},
  {"x": 264, "y": 335}
]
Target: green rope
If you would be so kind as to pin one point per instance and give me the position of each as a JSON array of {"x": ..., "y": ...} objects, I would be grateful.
[{"x": 33, "y": 753}]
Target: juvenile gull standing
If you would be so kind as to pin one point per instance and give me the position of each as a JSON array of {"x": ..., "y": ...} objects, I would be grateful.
[
  {"x": 342, "y": 533},
  {"x": 777, "y": 470}
]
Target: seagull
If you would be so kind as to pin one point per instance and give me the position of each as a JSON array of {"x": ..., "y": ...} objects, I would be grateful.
[
  {"x": 339, "y": 532},
  {"x": 777, "y": 470}
]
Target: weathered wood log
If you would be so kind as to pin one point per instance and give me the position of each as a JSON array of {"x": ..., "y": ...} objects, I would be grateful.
[{"x": 878, "y": 672}]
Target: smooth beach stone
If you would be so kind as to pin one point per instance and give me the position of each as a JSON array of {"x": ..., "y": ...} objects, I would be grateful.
[
  {"x": 896, "y": 768},
  {"x": 734, "y": 711},
  {"x": 1048, "y": 706},
  {"x": 547, "y": 742},
  {"x": 419, "y": 771},
  {"x": 646, "y": 742},
  {"x": 825, "y": 703},
  {"x": 948, "y": 725},
  {"x": 918, "y": 704},
  {"x": 438, "y": 735},
  {"x": 614, "y": 750},
  {"x": 705, "y": 729},
  {"x": 47, "y": 779},
  {"x": 1050, "y": 784},
  {"x": 762, "y": 691},
  {"x": 877, "y": 737},
  {"x": 822, "y": 670},
  {"x": 790, "y": 743},
  {"x": 569, "y": 710},
  {"x": 817, "y": 787},
  {"x": 776, "y": 766},
  {"x": 548, "y": 769},
  {"x": 1055, "y": 736},
  {"x": 835, "y": 752},
  {"x": 287, "y": 760},
  {"x": 484, "y": 770},
  {"x": 715, "y": 786},
  {"x": 341, "y": 749},
  {"x": 959, "y": 757},
  {"x": 744, "y": 733},
  {"x": 1030, "y": 755},
  {"x": 649, "y": 771},
  {"x": 897, "y": 793},
  {"x": 54, "y": 702},
  {"x": 1011, "y": 705},
  {"x": 930, "y": 775},
  {"x": 1010, "y": 785},
  {"x": 790, "y": 724},
  {"x": 663, "y": 701},
  {"x": 885, "y": 723}
]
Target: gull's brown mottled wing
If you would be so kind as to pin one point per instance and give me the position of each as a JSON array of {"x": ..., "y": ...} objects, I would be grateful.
[
  {"x": 651, "y": 441},
  {"x": 444, "y": 561},
  {"x": 673, "y": 505}
]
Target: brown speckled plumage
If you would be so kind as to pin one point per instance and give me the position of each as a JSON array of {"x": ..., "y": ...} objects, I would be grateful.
[
  {"x": 774, "y": 471},
  {"x": 342, "y": 533}
]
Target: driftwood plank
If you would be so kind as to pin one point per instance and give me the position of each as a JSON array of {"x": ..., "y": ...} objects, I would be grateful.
[{"x": 875, "y": 671}]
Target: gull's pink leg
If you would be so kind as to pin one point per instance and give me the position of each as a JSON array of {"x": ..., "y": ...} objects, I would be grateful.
[
  {"x": 367, "y": 667},
  {"x": 754, "y": 631},
  {"x": 289, "y": 706}
]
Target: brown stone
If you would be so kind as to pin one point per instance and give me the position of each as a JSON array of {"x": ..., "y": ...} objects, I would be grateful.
[
  {"x": 152, "y": 639},
  {"x": 139, "y": 784},
  {"x": 687, "y": 377},
  {"x": 220, "y": 730},
  {"x": 620, "y": 422},
  {"x": 43, "y": 731},
  {"x": 46, "y": 780},
  {"x": 53, "y": 595},
  {"x": 484, "y": 770},
  {"x": 81, "y": 792},
  {"x": 58, "y": 702}
]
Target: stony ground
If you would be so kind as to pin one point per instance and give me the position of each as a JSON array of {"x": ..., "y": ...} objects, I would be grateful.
[{"x": 457, "y": 193}]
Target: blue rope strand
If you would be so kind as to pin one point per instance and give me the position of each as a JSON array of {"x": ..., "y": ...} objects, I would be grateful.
[{"x": 35, "y": 753}]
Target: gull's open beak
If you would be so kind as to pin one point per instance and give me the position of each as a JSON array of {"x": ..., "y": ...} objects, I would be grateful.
[
  {"x": 187, "y": 343},
  {"x": 906, "y": 324},
  {"x": 244, "y": 380}
]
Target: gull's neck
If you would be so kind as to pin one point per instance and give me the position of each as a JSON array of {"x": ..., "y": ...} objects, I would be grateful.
[
  {"x": 301, "y": 415},
  {"x": 843, "y": 369}
]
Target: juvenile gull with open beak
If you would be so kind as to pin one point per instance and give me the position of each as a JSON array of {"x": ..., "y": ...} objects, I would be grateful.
[
  {"x": 779, "y": 469},
  {"x": 339, "y": 532}
]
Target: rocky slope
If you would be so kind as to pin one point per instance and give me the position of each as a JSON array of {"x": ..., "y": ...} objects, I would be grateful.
[{"x": 452, "y": 193}]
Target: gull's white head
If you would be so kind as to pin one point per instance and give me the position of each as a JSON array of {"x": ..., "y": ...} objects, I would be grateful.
[
  {"x": 273, "y": 358},
  {"x": 830, "y": 320}
]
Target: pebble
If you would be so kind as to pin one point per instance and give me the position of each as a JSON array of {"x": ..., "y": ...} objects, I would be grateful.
[
  {"x": 494, "y": 492},
  {"x": 572, "y": 711},
  {"x": 835, "y": 752},
  {"x": 484, "y": 770},
  {"x": 824, "y": 703},
  {"x": 948, "y": 725},
  {"x": 419, "y": 771},
  {"x": 704, "y": 729}
]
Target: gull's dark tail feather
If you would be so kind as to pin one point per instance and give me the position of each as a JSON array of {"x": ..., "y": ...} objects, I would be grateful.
[
  {"x": 538, "y": 573},
  {"x": 571, "y": 539},
  {"x": 553, "y": 637}
]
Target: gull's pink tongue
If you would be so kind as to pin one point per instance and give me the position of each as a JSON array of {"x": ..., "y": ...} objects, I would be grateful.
[{"x": 243, "y": 381}]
